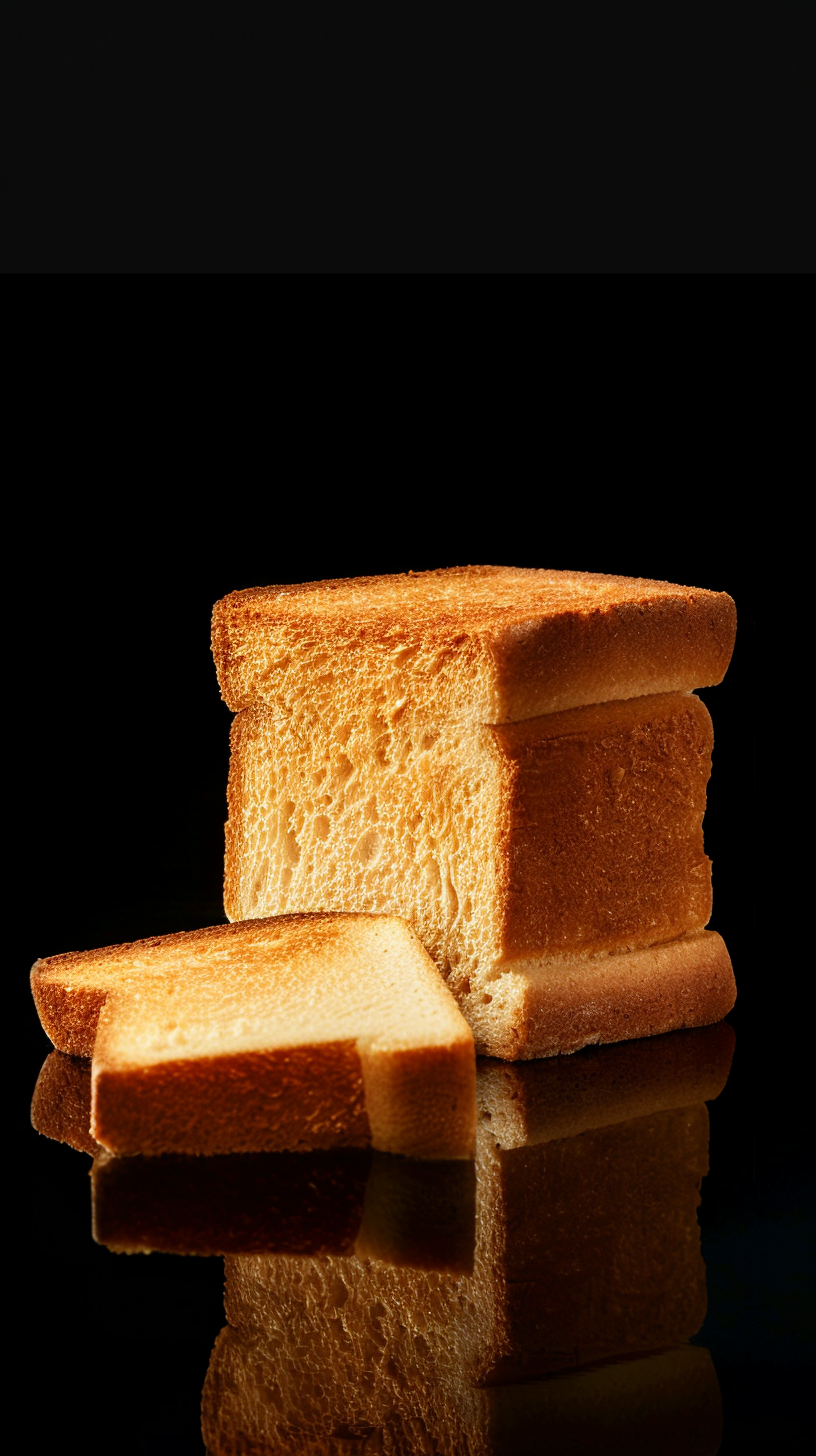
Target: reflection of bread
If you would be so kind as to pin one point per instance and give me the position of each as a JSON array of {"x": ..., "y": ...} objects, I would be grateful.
[
  {"x": 559, "y": 1099},
  {"x": 416, "y": 1214},
  {"x": 587, "y": 1249},
  {"x": 305, "y": 1032},
  {"x": 61, "y": 1105},
  {"x": 554, "y": 867}
]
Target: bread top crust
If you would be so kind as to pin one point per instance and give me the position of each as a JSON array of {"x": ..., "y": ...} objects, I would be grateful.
[{"x": 486, "y": 644}]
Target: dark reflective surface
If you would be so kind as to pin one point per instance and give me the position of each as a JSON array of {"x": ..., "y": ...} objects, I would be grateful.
[{"x": 540, "y": 1299}]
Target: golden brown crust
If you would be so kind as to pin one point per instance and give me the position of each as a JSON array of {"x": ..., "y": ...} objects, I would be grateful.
[
  {"x": 487, "y": 644},
  {"x": 562, "y": 1005},
  {"x": 603, "y": 834},
  {"x": 300, "y": 1097}
]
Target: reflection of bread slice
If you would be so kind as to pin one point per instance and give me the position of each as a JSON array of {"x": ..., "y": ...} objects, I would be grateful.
[
  {"x": 61, "y": 1105},
  {"x": 304, "y": 1032},
  {"x": 667, "y": 1403},
  {"x": 587, "y": 1248},
  {"x": 417, "y": 1214},
  {"x": 395, "y": 1210}
]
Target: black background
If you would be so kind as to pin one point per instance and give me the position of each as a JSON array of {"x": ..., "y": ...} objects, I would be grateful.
[
  {"x": 542, "y": 140},
  {"x": 117, "y": 771}
]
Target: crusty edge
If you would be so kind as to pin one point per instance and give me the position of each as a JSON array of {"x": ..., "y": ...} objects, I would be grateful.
[
  {"x": 276, "y": 1101},
  {"x": 234, "y": 836},
  {"x": 563, "y": 1005},
  {"x": 69, "y": 1014},
  {"x": 616, "y": 651}
]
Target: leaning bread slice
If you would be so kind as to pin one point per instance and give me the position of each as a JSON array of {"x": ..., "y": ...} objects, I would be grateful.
[{"x": 307, "y": 1031}]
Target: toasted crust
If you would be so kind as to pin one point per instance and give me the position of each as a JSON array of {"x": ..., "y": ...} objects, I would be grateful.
[
  {"x": 298, "y": 1032},
  {"x": 479, "y": 643}
]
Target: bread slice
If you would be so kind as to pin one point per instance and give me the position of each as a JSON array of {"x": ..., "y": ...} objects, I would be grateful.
[
  {"x": 302, "y": 1032},
  {"x": 478, "y": 644},
  {"x": 554, "y": 868},
  {"x": 587, "y": 1250}
]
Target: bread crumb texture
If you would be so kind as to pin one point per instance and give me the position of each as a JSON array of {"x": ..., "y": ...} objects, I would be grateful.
[{"x": 304, "y": 1031}]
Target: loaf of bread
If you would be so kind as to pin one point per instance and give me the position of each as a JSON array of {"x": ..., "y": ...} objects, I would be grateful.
[
  {"x": 587, "y": 1251},
  {"x": 297, "y": 1033},
  {"x": 513, "y": 761}
]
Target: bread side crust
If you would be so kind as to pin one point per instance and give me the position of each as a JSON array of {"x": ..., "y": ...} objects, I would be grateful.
[
  {"x": 551, "y": 1006},
  {"x": 549, "y": 641},
  {"x": 603, "y": 829},
  {"x": 278, "y": 1101}
]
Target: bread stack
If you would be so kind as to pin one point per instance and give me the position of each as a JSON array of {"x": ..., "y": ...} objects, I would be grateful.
[
  {"x": 514, "y": 761},
  {"x": 587, "y": 1258}
]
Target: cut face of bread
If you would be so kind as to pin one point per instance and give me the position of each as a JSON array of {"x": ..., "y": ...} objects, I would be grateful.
[
  {"x": 554, "y": 868},
  {"x": 304, "y": 1032},
  {"x": 587, "y": 1250},
  {"x": 481, "y": 644}
]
